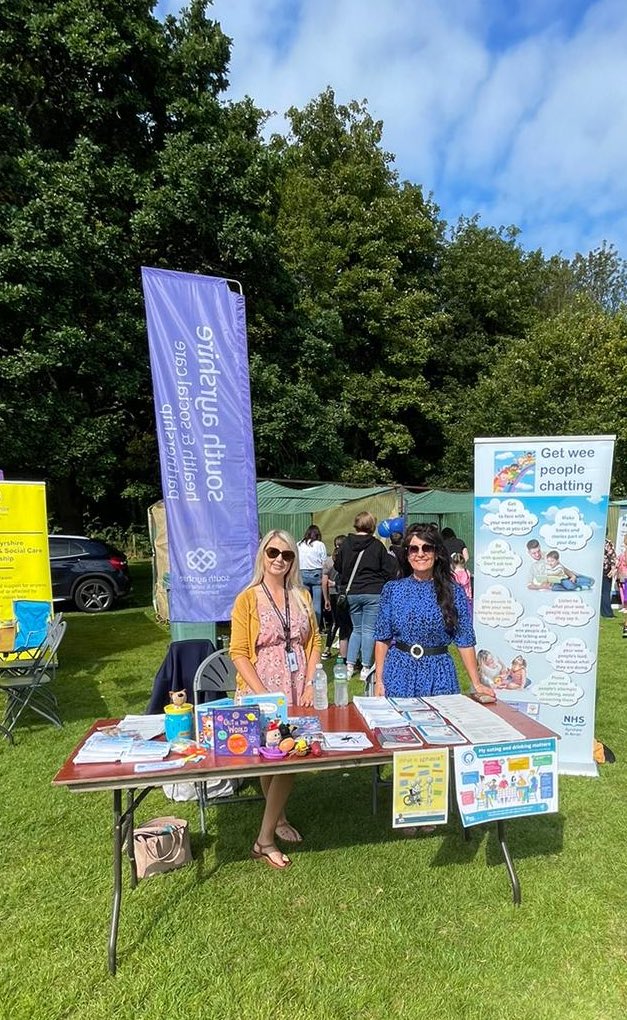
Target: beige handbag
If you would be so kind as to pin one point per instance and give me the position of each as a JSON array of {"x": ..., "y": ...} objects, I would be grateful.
[{"x": 162, "y": 844}]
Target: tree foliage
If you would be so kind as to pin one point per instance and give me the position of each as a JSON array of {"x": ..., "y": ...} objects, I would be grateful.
[{"x": 380, "y": 343}]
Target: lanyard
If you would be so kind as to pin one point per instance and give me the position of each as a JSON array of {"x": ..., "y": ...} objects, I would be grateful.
[{"x": 285, "y": 620}]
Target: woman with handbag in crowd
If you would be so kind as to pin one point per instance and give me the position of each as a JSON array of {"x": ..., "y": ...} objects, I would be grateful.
[
  {"x": 419, "y": 617},
  {"x": 275, "y": 647},
  {"x": 364, "y": 565}
]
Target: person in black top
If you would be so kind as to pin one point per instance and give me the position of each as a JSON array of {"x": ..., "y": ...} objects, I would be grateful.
[
  {"x": 376, "y": 566},
  {"x": 454, "y": 544}
]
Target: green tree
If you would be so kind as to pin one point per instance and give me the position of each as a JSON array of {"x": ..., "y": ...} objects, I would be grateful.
[
  {"x": 119, "y": 152},
  {"x": 566, "y": 378},
  {"x": 360, "y": 248}
]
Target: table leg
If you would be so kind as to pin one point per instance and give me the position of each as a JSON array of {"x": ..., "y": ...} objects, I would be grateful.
[
  {"x": 117, "y": 878},
  {"x": 500, "y": 831},
  {"x": 129, "y": 835}
]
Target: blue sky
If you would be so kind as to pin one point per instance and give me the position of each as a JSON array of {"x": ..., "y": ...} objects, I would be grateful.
[{"x": 513, "y": 109}]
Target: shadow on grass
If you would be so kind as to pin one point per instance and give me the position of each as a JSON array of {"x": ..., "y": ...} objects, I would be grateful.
[{"x": 334, "y": 810}]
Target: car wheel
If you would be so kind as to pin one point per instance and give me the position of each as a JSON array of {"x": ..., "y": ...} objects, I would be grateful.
[{"x": 93, "y": 596}]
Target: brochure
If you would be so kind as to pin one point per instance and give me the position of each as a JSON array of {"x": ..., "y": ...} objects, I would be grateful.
[
  {"x": 397, "y": 736},
  {"x": 344, "y": 741},
  {"x": 440, "y": 734}
]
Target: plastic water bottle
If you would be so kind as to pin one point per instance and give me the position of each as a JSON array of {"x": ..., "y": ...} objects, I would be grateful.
[
  {"x": 340, "y": 677},
  {"x": 320, "y": 692}
]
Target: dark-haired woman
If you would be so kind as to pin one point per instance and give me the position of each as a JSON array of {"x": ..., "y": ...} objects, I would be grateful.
[
  {"x": 312, "y": 553},
  {"x": 419, "y": 617}
]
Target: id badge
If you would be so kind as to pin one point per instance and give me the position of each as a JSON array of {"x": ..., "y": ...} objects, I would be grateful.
[{"x": 292, "y": 661}]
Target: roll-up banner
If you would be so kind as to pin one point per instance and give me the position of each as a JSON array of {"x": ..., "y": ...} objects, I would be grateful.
[
  {"x": 24, "y": 557},
  {"x": 199, "y": 361},
  {"x": 540, "y": 522}
]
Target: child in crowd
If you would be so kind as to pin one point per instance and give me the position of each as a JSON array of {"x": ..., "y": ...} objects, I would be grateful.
[{"x": 461, "y": 574}]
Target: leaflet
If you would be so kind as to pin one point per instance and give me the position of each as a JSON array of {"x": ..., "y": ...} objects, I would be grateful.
[{"x": 475, "y": 721}]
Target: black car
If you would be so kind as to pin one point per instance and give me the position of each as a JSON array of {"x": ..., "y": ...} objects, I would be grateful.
[{"x": 87, "y": 571}]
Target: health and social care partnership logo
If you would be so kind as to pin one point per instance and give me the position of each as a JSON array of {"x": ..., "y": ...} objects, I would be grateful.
[{"x": 201, "y": 559}]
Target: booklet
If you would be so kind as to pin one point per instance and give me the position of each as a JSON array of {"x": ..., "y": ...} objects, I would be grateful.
[
  {"x": 398, "y": 736},
  {"x": 305, "y": 724},
  {"x": 343, "y": 741},
  {"x": 440, "y": 734}
]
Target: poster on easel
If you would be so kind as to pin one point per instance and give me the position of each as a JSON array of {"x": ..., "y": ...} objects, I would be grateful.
[
  {"x": 24, "y": 556},
  {"x": 540, "y": 523},
  {"x": 420, "y": 788},
  {"x": 508, "y": 780}
]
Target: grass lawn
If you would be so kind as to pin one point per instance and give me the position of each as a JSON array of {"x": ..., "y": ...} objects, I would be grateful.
[{"x": 366, "y": 924}]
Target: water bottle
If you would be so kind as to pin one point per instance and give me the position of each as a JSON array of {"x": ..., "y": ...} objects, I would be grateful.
[
  {"x": 321, "y": 696},
  {"x": 340, "y": 677}
]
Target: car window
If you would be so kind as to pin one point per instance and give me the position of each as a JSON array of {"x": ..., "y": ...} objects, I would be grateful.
[
  {"x": 58, "y": 547},
  {"x": 77, "y": 548}
]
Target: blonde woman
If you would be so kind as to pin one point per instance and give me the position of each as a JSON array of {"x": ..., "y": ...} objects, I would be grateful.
[{"x": 275, "y": 647}]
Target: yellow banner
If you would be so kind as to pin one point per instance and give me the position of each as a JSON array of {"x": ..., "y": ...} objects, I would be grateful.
[{"x": 24, "y": 557}]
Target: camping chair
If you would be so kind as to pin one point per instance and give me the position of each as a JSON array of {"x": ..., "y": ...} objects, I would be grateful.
[
  {"x": 32, "y": 624},
  {"x": 25, "y": 682}
]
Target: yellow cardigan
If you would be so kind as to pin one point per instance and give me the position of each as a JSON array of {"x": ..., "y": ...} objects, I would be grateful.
[{"x": 245, "y": 627}]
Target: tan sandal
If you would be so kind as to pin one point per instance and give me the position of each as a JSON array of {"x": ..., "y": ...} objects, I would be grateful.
[{"x": 261, "y": 852}]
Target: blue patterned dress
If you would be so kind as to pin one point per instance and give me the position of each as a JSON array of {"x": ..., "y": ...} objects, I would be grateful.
[{"x": 408, "y": 610}]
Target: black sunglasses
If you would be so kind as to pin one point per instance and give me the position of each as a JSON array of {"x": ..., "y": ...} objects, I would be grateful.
[
  {"x": 273, "y": 554},
  {"x": 426, "y": 548}
]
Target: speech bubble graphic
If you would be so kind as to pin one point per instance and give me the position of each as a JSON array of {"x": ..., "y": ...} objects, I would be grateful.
[
  {"x": 572, "y": 656},
  {"x": 531, "y": 634},
  {"x": 497, "y": 607},
  {"x": 511, "y": 518},
  {"x": 558, "y": 689},
  {"x": 568, "y": 530},
  {"x": 567, "y": 610},
  {"x": 499, "y": 559}
]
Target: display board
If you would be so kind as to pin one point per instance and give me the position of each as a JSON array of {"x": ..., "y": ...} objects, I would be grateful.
[{"x": 540, "y": 521}]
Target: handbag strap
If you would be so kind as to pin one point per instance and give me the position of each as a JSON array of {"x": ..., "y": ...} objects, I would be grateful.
[{"x": 354, "y": 571}]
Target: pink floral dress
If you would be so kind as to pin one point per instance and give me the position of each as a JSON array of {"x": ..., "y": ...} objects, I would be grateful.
[{"x": 271, "y": 665}]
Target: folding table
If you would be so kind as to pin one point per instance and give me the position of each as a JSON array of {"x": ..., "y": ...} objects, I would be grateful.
[{"x": 119, "y": 777}]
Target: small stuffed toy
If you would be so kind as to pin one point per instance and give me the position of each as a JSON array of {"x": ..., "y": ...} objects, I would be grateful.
[
  {"x": 287, "y": 729},
  {"x": 178, "y": 697}
]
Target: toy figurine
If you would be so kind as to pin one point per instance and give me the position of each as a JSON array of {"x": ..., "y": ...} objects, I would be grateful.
[
  {"x": 273, "y": 733},
  {"x": 178, "y": 697}
]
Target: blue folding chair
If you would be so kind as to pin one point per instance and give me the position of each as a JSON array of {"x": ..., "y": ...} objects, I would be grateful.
[{"x": 32, "y": 624}]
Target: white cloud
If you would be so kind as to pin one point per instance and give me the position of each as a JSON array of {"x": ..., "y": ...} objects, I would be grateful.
[{"x": 527, "y": 129}]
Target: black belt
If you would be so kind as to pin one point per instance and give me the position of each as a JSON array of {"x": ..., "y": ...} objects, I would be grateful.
[{"x": 417, "y": 651}]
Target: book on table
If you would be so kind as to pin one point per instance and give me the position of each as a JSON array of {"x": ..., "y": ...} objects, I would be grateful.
[
  {"x": 398, "y": 737},
  {"x": 237, "y": 731}
]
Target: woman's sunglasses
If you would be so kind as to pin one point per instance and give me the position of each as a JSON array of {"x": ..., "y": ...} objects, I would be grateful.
[
  {"x": 427, "y": 548},
  {"x": 273, "y": 554}
]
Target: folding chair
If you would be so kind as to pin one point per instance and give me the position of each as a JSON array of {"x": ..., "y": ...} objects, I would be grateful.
[
  {"x": 214, "y": 677},
  {"x": 25, "y": 682},
  {"x": 177, "y": 671}
]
